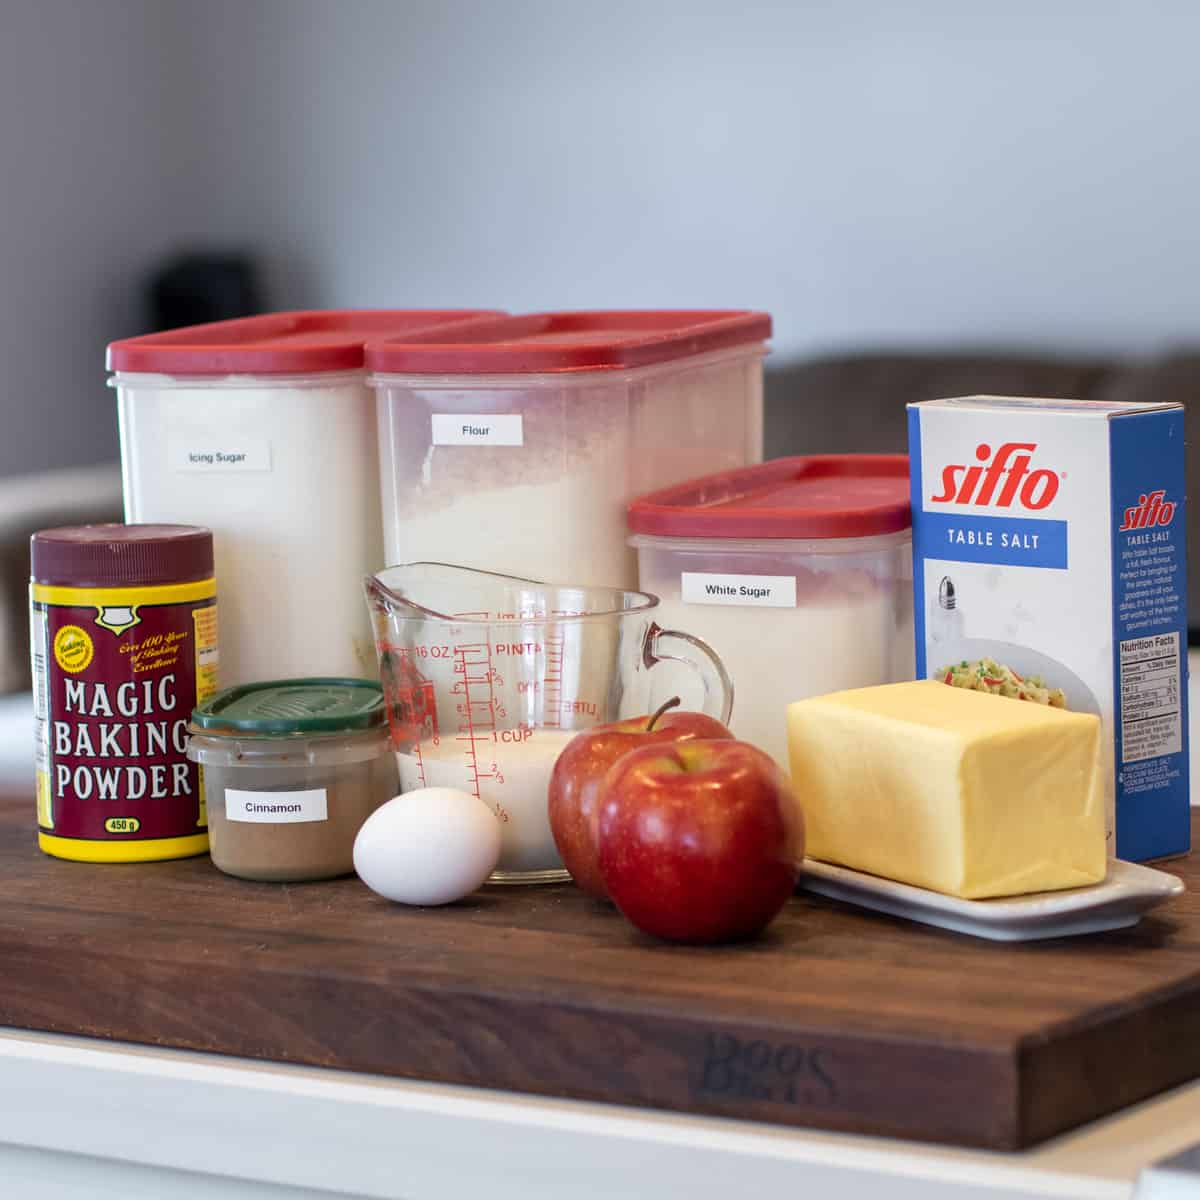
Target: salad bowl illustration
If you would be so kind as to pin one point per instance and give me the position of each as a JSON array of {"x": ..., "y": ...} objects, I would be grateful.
[{"x": 1026, "y": 663}]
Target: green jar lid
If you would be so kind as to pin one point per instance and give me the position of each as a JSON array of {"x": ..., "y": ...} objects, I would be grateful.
[{"x": 293, "y": 706}]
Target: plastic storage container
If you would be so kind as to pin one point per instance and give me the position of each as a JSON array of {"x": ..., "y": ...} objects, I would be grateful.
[
  {"x": 515, "y": 445},
  {"x": 797, "y": 572},
  {"x": 263, "y": 429},
  {"x": 290, "y": 771}
]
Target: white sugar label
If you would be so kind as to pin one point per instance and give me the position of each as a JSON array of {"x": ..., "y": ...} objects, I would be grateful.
[
  {"x": 748, "y": 591},
  {"x": 276, "y": 807},
  {"x": 478, "y": 429},
  {"x": 231, "y": 454}
]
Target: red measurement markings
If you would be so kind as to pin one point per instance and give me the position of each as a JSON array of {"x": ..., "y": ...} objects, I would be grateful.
[
  {"x": 552, "y": 703},
  {"x": 411, "y": 702},
  {"x": 477, "y": 711},
  {"x": 552, "y": 691}
]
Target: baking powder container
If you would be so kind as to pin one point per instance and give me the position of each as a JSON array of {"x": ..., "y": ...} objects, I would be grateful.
[
  {"x": 123, "y": 623},
  {"x": 263, "y": 429},
  {"x": 290, "y": 771},
  {"x": 514, "y": 445},
  {"x": 798, "y": 573}
]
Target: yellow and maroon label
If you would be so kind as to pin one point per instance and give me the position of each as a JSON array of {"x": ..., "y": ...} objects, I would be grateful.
[{"x": 117, "y": 672}]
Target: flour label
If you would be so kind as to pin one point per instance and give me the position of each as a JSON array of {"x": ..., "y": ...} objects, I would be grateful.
[
  {"x": 743, "y": 591},
  {"x": 276, "y": 807},
  {"x": 478, "y": 429},
  {"x": 219, "y": 454}
]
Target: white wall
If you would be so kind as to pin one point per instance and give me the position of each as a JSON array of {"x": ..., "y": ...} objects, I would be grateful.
[
  {"x": 934, "y": 172},
  {"x": 88, "y": 196},
  {"x": 929, "y": 172}
]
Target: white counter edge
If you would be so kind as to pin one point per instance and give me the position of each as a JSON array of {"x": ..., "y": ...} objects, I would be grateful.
[{"x": 343, "y": 1132}]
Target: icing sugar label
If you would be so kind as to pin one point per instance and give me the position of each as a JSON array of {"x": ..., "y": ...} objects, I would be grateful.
[{"x": 234, "y": 453}]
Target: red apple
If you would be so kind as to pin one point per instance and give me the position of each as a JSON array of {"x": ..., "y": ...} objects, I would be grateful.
[
  {"x": 584, "y": 762},
  {"x": 699, "y": 842}
]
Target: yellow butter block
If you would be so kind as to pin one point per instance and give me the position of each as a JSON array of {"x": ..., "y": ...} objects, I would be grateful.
[{"x": 962, "y": 792}]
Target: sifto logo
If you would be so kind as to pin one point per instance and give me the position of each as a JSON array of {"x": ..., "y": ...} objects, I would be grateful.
[
  {"x": 1152, "y": 508},
  {"x": 1000, "y": 479}
]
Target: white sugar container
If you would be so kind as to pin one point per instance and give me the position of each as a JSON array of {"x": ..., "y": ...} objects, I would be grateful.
[
  {"x": 798, "y": 573},
  {"x": 263, "y": 429}
]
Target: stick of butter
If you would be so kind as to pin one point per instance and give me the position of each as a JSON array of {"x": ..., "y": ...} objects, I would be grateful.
[{"x": 962, "y": 792}]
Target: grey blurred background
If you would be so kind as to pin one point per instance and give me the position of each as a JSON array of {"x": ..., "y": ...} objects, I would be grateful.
[
  {"x": 932, "y": 198},
  {"x": 909, "y": 177}
]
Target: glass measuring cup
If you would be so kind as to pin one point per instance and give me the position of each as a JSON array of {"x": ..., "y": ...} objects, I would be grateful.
[{"x": 487, "y": 677}]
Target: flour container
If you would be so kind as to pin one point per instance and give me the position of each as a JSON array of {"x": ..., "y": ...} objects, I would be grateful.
[
  {"x": 263, "y": 430},
  {"x": 798, "y": 573},
  {"x": 514, "y": 445}
]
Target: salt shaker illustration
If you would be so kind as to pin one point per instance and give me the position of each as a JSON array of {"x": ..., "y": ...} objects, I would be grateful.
[{"x": 945, "y": 617}]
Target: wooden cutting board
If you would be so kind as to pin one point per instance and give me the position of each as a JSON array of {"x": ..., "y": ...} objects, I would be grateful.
[{"x": 837, "y": 1018}]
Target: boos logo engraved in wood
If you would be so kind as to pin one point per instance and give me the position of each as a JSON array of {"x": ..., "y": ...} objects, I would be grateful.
[
  {"x": 124, "y": 644},
  {"x": 761, "y": 1070}
]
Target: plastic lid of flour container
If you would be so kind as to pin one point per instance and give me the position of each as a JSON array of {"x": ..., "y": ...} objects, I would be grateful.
[
  {"x": 286, "y": 343},
  {"x": 818, "y": 496},
  {"x": 569, "y": 341}
]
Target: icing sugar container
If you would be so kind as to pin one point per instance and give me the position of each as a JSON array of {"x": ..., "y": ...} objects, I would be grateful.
[
  {"x": 263, "y": 430},
  {"x": 514, "y": 445},
  {"x": 798, "y": 572}
]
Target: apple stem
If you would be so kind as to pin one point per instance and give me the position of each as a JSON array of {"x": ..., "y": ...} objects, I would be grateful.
[{"x": 674, "y": 702}]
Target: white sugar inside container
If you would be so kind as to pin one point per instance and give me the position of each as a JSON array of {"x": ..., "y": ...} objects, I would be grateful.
[{"x": 798, "y": 572}]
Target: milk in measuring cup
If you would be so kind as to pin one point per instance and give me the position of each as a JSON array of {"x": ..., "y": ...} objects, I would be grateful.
[
  {"x": 510, "y": 771},
  {"x": 487, "y": 678},
  {"x": 1048, "y": 538}
]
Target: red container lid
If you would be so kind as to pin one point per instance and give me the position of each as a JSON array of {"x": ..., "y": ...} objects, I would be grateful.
[
  {"x": 569, "y": 341},
  {"x": 121, "y": 555},
  {"x": 286, "y": 343},
  {"x": 822, "y": 496}
]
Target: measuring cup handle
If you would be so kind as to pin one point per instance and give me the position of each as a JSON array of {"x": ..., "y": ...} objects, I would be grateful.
[{"x": 697, "y": 654}]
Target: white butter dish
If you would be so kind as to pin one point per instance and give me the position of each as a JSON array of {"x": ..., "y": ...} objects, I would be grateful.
[{"x": 1127, "y": 892}]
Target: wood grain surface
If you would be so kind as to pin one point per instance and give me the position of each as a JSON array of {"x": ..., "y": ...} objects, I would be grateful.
[{"x": 837, "y": 1018}]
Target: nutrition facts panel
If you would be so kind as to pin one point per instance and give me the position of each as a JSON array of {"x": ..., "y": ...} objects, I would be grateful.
[{"x": 1150, "y": 700}]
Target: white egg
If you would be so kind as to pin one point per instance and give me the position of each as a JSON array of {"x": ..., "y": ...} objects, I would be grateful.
[{"x": 431, "y": 846}]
